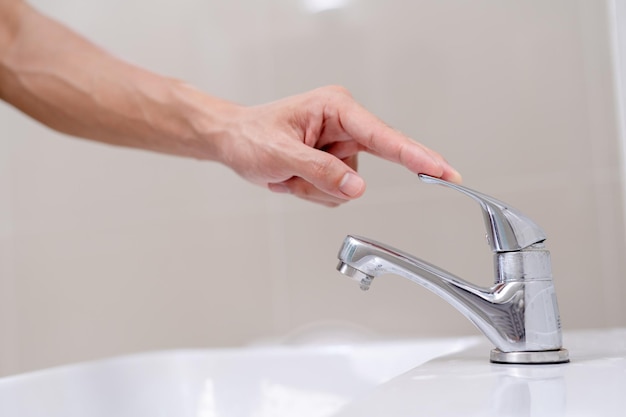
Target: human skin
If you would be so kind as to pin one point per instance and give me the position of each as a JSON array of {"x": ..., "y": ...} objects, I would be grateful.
[{"x": 306, "y": 145}]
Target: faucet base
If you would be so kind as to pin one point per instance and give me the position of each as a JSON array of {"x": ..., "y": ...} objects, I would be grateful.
[{"x": 545, "y": 357}]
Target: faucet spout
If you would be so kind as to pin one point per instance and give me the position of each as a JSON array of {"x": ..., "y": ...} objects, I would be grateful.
[{"x": 518, "y": 314}]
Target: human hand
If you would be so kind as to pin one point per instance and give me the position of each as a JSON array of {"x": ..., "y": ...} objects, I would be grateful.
[{"x": 307, "y": 145}]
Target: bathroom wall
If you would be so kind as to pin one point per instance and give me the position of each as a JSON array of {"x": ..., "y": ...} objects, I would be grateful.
[{"x": 106, "y": 251}]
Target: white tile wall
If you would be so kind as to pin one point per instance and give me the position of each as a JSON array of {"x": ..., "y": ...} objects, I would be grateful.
[
  {"x": 9, "y": 357},
  {"x": 105, "y": 251}
]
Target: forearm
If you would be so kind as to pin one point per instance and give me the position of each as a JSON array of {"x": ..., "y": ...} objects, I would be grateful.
[
  {"x": 69, "y": 84},
  {"x": 306, "y": 144}
]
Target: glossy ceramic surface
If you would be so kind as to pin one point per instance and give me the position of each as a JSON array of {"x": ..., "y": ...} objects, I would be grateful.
[
  {"x": 258, "y": 381},
  {"x": 394, "y": 379},
  {"x": 466, "y": 384}
]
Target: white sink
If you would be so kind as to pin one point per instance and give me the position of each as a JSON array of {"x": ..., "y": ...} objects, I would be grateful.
[
  {"x": 430, "y": 377},
  {"x": 278, "y": 381},
  {"x": 466, "y": 384}
]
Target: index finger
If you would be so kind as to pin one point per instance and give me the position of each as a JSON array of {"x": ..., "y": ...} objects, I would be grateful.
[{"x": 386, "y": 142}]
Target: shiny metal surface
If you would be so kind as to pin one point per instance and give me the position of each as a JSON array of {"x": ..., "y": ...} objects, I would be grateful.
[
  {"x": 507, "y": 228},
  {"x": 541, "y": 357},
  {"x": 518, "y": 314}
]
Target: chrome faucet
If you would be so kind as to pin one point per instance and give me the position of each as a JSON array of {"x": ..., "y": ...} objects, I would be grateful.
[{"x": 519, "y": 314}]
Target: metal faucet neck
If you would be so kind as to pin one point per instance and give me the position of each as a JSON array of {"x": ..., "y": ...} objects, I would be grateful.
[{"x": 519, "y": 314}]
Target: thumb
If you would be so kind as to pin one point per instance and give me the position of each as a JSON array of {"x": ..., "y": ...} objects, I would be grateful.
[{"x": 329, "y": 174}]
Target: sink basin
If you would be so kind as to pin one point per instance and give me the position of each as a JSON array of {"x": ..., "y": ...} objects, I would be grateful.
[
  {"x": 465, "y": 383},
  {"x": 427, "y": 377},
  {"x": 276, "y": 381}
]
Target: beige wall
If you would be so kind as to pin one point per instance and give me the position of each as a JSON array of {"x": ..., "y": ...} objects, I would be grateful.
[{"x": 105, "y": 251}]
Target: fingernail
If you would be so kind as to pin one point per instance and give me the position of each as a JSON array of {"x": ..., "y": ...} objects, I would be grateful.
[
  {"x": 351, "y": 185},
  {"x": 458, "y": 178},
  {"x": 278, "y": 188},
  {"x": 454, "y": 175}
]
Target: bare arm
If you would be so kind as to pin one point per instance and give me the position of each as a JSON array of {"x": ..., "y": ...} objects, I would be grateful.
[
  {"x": 306, "y": 145},
  {"x": 71, "y": 85}
]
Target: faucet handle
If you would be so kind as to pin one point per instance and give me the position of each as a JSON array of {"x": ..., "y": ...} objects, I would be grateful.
[{"x": 507, "y": 229}]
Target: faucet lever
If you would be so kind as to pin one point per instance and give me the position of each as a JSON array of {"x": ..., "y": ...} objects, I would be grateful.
[
  {"x": 508, "y": 229},
  {"x": 518, "y": 314}
]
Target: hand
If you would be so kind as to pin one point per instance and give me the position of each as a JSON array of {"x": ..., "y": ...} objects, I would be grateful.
[{"x": 307, "y": 145}]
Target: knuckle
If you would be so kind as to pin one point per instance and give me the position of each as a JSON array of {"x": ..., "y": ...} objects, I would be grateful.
[
  {"x": 302, "y": 188},
  {"x": 299, "y": 188},
  {"x": 321, "y": 167},
  {"x": 338, "y": 90}
]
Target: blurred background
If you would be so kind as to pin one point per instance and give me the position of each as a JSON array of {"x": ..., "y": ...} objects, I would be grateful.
[{"x": 106, "y": 251}]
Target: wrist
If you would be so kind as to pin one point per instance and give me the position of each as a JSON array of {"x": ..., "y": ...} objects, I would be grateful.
[{"x": 208, "y": 122}]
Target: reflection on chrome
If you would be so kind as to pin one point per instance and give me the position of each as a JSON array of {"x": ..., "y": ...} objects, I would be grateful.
[{"x": 519, "y": 314}]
